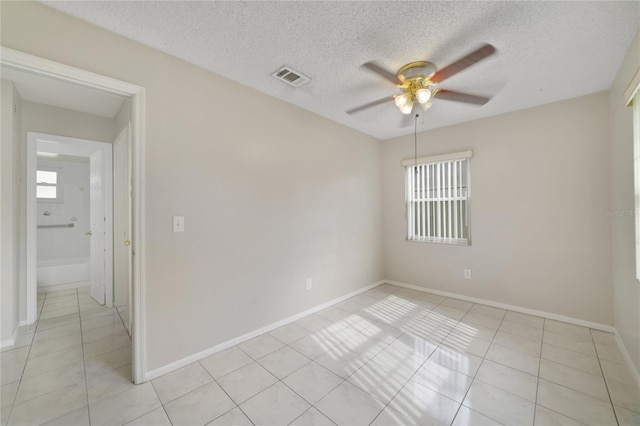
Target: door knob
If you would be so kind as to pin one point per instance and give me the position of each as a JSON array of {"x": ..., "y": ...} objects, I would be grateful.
[
  {"x": 88, "y": 233},
  {"x": 127, "y": 243}
]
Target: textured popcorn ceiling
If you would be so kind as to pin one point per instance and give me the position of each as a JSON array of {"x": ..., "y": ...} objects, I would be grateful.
[{"x": 547, "y": 51}]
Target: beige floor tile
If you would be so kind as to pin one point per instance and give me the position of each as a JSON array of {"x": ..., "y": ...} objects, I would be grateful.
[
  {"x": 180, "y": 382},
  {"x": 624, "y": 396},
  {"x": 276, "y": 405},
  {"x": 468, "y": 417},
  {"x": 108, "y": 383},
  {"x": 508, "y": 379},
  {"x": 499, "y": 405},
  {"x": 312, "y": 417},
  {"x": 79, "y": 417},
  {"x": 574, "y": 404},
  {"x": 546, "y": 417},
  {"x": 450, "y": 383},
  {"x": 49, "y": 406},
  {"x": 246, "y": 382},
  {"x": 225, "y": 362},
  {"x": 349, "y": 405},
  {"x": 157, "y": 417},
  {"x": 312, "y": 382},
  {"x": 283, "y": 362},
  {"x": 51, "y": 381},
  {"x": 124, "y": 406},
  {"x": 199, "y": 406},
  {"x": 233, "y": 417},
  {"x": 514, "y": 359},
  {"x": 572, "y": 378},
  {"x": 571, "y": 358},
  {"x": 423, "y": 405}
]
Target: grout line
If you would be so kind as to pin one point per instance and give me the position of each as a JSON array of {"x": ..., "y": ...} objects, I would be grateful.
[
  {"x": 544, "y": 320},
  {"x": 473, "y": 379},
  {"x": 84, "y": 363},
  {"x": 606, "y": 385},
  {"x": 24, "y": 367}
]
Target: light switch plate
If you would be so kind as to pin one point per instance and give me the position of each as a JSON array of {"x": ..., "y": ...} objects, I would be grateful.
[{"x": 178, "y": 224}]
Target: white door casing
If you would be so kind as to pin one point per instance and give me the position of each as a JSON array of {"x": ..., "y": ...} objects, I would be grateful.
[{"x": 136, "y": 94}]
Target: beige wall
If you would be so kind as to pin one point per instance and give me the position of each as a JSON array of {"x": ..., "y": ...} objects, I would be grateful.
[
  {"x": 63, "y": 122},
  {"x": 626, "y": 287},
  {"x": 271, "y": 194},
  {"x": 540, "y": 186}
]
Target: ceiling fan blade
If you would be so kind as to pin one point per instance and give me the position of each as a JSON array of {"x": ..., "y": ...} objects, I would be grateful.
[
  {"x": 464, "y": 62},
  {"x": 369, "y": 105},
  {"x": 461, "y": 97},
  {"x": 382, "y": 72}
]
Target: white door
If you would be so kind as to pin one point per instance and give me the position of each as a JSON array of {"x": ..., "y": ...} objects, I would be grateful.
[{"x": 97, "y": 222}]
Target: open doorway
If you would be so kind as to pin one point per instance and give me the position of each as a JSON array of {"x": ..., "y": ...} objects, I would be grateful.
[
  {"x": 99, "y": 266},
  {"x": 70, "y": 195}
]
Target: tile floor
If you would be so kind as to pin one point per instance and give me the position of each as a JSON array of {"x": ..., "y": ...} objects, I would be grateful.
[{"x": 385, "y": 357}]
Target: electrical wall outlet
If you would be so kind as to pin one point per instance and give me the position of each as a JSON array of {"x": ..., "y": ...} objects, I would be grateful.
[
  {"x": 309, "y": 283},
  {"x": 467, "y": 274}
]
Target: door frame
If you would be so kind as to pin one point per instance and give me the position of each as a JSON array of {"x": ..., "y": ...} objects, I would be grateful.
[
  {"x": 136, "y": 94},
  {"x": 70, "y": 146}
]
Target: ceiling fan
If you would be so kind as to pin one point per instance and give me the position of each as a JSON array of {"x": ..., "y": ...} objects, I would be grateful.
[{"x": 418, "y": 80}]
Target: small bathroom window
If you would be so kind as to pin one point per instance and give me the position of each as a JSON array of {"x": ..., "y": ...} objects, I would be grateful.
[{"x": 48, "y": 186}]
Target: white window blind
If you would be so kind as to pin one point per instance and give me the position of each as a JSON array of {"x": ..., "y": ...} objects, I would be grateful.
[{"x": 438, "y": 195}]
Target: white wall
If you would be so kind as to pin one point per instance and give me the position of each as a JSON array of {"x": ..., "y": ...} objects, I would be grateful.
[
  {"x": 540, "y": 186},
  {"x": 65, "y": 243},
  {"x": 626, "y": 287},
  {"x": 9, "y": 211},
  {"x": 271, "y": 194}
]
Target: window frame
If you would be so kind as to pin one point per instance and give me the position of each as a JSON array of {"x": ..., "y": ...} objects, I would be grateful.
[
  {"x": 410, "y": 203},
  {"x": 58, "y": 185}
]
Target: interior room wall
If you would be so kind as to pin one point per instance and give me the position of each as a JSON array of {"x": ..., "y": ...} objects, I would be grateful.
[
  {"x": 64, "y": 122},
  {"x": 9, "y": 211},
  {"x": 539, "y": 190},
  {"x": 626, "y": 300},
  {"x": 271, "y": 194},
  {"x": 73, "y": 207}
]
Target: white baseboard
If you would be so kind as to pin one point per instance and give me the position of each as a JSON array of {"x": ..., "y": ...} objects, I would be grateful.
[
  {"x": 65, "y": 286},
  {"x": 549, "y": 315},
  {"x": 627, "y": 358},
  {"x": 10, "y": 342},
  {"x": 150, "y": 375}
]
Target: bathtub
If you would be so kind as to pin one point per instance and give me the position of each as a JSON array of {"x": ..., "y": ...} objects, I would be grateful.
[{"x": 61, "y": 274}]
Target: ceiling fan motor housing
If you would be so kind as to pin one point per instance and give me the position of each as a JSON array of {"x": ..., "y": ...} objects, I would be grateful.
[{"x": 416, "y": 70}]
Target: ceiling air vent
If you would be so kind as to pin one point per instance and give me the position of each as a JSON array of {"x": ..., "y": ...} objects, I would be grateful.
[{"x": 290, "y": 76}]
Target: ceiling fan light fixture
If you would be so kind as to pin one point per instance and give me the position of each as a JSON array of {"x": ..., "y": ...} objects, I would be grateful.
[
  {"x": 402, "y": 100},
  {"x": 425, "y": 106},
  {"x": 407, "y": 108},
  {"x": 423, "y": 96}
]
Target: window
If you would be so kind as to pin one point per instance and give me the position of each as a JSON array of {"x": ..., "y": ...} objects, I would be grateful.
[
  {"x": 438, "y": 194},
  {"x": 47, "y": 185}
]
